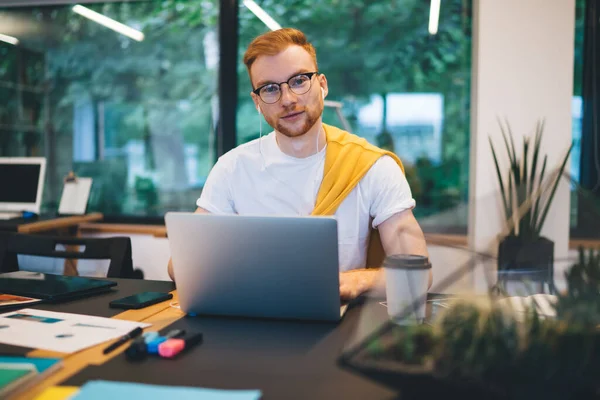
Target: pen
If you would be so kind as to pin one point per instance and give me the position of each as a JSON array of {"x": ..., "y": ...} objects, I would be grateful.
[{"x": 123, "y": 339}]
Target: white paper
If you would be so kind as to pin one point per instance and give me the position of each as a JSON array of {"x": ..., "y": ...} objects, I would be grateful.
[
  {"x": 62, "y": 332},
  {"x": 75, "y": 196}
]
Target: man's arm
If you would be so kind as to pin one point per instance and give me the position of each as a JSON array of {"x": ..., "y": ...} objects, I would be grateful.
[
  {"x": 400, "y": 234},
  {"x": 199, "y": 210}
]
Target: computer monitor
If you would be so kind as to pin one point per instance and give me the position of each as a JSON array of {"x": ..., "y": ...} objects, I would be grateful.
[{"x": 21, "y": 183}]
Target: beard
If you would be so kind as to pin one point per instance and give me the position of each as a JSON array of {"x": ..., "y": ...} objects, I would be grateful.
[{"x": 309, "y": 118}]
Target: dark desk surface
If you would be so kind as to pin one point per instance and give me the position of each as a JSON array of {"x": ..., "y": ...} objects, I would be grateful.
[
  {"x": 284, "y": 359},
  {"x": 96, "y": 305}
]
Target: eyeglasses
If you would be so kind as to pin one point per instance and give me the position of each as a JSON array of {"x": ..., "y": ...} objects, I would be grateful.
[{"x": 298, "y": 84}]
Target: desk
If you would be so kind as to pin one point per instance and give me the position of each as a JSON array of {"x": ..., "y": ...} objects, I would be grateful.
[
  {"x": 97, "y": 306},
  {"x": 284, "y": 359}
]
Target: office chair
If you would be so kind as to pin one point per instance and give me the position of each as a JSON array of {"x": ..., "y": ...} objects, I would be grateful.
[{"x": 115, "y": 249}]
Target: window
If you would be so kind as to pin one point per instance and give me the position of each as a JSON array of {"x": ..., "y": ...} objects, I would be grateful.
[
  {"x": 586, "y": 110},
  {"x": 136, "y": 113},
  {"x": 399, "y": 86},
  {"x": 577, "y": 106}
]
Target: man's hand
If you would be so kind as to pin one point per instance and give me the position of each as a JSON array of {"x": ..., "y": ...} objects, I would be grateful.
[{"x": 354, "y": 283}]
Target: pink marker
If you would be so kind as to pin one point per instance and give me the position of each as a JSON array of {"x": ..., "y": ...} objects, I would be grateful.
[{"x": 173, "y": 347}]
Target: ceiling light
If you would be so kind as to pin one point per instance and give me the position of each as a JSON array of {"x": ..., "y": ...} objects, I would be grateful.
[
  {"x": 262, "y": 15},
  {"x": 434, "y": 16},
  {"x": 9, "y": 39},
  {"x": 108, "y": 22}
]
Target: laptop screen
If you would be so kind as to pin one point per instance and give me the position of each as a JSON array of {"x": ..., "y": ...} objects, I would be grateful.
[{"x": 19, "y": 182}]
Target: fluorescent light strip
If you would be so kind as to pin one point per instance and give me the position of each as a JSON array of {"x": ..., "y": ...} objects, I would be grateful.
[
  {"x": 108, "y": 22},
  {"x": 9, "y": 39},
  {"x": 434, "y": 16},
  {"x": 262, "y": 15}
]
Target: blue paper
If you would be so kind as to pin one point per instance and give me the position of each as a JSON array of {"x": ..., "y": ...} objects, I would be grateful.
[{"x": 102, "y": 390}]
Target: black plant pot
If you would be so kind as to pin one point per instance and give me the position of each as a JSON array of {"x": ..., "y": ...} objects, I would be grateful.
[{"x": 523, "y": 259}]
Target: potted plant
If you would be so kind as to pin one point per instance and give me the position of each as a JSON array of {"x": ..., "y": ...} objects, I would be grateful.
[
  {"x": 523, "y": 248},
  {"x": 581, "y": 303},
  {"x": 482, "y": 348}
]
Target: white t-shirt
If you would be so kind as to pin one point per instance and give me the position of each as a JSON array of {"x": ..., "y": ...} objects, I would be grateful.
[{"x": 257, "y": 178}]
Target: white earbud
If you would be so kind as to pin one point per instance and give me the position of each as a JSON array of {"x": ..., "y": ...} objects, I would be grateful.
[
  {"x": 258, "y": 109},
  {"x": 323, "y": 93}
]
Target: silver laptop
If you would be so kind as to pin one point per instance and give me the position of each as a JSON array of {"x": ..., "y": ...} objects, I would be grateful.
[
  {"x": 253, "y": 266},
  {"x": 21, "y": 185}
]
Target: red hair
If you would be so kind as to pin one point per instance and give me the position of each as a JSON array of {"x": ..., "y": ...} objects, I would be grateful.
[{"x": 273, "y": 43}]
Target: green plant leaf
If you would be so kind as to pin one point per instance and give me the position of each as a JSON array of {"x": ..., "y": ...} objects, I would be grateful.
[
  {"x": 500, "y": 181},
  {"x": 534, "y": 161},
  {"x": 538, "y": 200},
  {"x": 511, "y": 154},
  {"x": 515, "y": 163},
  {"x": 524, "y": 221},
  {"x": 556, "y": 182},
  {"x": 512, "y": 143},
  {"x": 510, "y": 204}
]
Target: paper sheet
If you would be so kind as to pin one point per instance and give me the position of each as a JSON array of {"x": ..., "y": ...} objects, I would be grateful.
[
  {"x": 101, "y": 390},
  {"x": 62, "y": 332},
  {"x": 75, "y": 196}
]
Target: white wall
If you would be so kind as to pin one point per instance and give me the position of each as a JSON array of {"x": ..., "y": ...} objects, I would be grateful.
[{"x": 523, "y": 70}]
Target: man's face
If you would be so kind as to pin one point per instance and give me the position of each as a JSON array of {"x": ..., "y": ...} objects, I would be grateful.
[{"x": 292, "y": 115}]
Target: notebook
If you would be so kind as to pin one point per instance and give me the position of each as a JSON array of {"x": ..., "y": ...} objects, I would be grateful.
[
  {"x": 51, "y": 287},
  {"x": 20, "y": 373},
  {"x": 14, "y": 375}
]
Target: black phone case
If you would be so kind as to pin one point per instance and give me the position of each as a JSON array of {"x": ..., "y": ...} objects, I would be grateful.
[{"x": 130, "y": 306}]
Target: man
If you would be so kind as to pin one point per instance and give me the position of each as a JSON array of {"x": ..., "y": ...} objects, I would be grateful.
[{"x": 305, "y": 167}]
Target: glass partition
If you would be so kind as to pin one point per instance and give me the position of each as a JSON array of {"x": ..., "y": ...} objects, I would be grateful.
[
  {"x": 393, "y": 80},
  {"x": 123, "y": 92}
]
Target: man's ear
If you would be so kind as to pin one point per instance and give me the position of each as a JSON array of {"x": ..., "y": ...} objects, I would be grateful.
[
  {"x": 323, "y": 83},
  {"x": 256, "y": 101}
]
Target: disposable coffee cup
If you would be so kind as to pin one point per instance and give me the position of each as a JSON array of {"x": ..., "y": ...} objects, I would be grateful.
[{"x": 406, "y": 281}]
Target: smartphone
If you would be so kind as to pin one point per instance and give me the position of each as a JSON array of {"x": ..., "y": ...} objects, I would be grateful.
[{"x": 140, "y": 300}]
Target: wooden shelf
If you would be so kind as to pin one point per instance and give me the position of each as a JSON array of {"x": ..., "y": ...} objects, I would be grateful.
[
  {"x": 58, "y": 223},
  {"x": 462, "y": 241},
  {"x": 159, "y": 231}
]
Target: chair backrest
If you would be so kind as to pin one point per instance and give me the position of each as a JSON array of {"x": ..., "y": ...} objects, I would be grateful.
[
  {"x": 375, "y": 252},
  {"x": 115, "y": 249}
]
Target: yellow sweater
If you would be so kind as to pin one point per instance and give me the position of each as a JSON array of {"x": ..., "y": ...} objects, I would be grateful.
[{"x": 347, "y": 159}]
